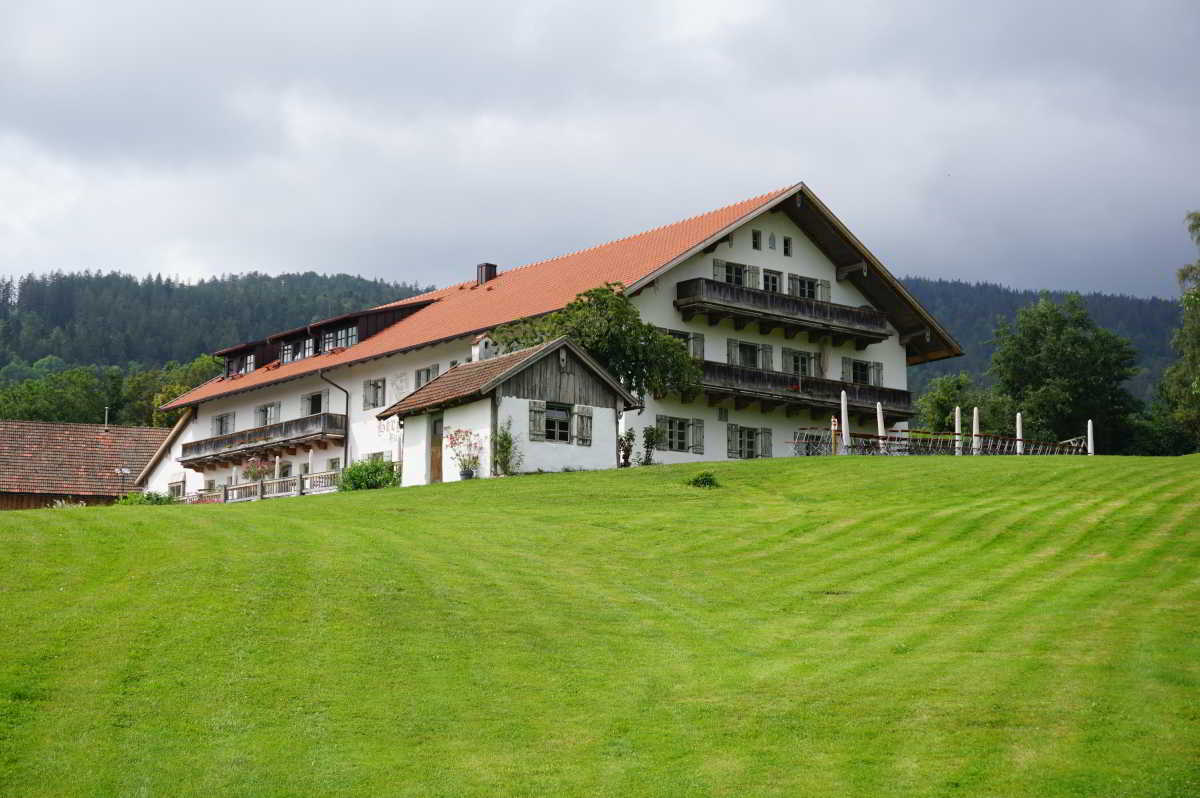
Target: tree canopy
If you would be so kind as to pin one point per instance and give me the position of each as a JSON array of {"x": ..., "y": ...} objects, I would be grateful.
[
  {"x": 1061, "y": 369},
  {"x": 1181, "y": 384},
  {"x": 605, "y": 323}
]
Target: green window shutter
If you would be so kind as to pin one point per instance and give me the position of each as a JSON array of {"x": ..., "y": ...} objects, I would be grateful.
[
  {"x": 764, "y": 442},
  {"x": 847, "y": 369},
  {"x": 718, "y": 269},
  {"x": 697, "y": 343},
  {"x": 661, "y": 423},
  {"x": 697, "y": 436},
  {"x": 766, "y": 358},
  {"x": 877, "y": 373},
  {"x": 731, "y": 434},
  {"x": 823, "y": 291},
  {"x": 731, "y": 351},
  {"x": 582, "y": 426},
  {"x": 537, "y": 420},
  {"x": 751, "y": 278}
]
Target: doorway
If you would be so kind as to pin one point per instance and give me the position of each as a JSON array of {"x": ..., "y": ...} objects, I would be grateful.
[{"x": 435, "y": 448}]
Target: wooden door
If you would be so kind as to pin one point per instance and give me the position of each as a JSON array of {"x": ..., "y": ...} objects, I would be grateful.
[{"x": 435, "y": 449}]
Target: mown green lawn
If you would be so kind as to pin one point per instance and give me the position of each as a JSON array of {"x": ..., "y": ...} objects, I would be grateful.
[{"x": 830, "y": 626}]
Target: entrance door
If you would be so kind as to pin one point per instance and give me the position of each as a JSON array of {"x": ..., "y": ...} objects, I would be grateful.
[{"x": 435, "y": 449}]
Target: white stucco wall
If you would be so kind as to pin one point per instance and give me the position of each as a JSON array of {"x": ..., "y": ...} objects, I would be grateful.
[
  {"x": 476, "y": 417},
  {"x": 557, "y": 456},
  {"x": 656, "y": 302},
  {"x": 366, "y": 433},
  {"x": 415, "y": 458}
]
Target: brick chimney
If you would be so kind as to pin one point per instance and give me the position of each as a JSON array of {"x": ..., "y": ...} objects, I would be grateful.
[{"x": 485, "y": 272}]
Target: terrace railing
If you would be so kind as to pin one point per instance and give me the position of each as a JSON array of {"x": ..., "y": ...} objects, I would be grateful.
[
  {"x": 318, "y": 424},
  {"x": 787, "y": 386},
  {"x": 705, "y": 291}
]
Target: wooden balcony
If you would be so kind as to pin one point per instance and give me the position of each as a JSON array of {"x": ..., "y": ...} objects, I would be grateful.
[
  {"x": 316, "y": 431},
  {"x": 744, "y": 385},
  {"x": 771, "y": 310}
]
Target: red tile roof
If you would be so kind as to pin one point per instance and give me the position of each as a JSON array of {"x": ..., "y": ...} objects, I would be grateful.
[
  {"x": 74, "y": 459},
  {"x": 470, "y": 380},
  {"x": 531, "y": 290},
  {"x": 462, "y": 381}
]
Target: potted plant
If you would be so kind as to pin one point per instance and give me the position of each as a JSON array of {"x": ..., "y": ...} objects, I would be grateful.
[{"x": 466, "y": 447}]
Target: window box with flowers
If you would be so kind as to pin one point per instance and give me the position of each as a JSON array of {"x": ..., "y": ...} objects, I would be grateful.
[{"x": 466, "y": 447}]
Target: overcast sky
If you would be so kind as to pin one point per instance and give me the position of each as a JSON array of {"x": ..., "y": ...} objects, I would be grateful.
[{"x": 1037, "y": 144}]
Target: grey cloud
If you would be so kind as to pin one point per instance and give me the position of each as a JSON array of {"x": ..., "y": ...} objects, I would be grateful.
[{"x": 1031, "y": 147}]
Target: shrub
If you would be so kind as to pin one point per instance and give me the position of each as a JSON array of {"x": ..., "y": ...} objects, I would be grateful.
[
  {"x": 625, "y": 446},
  {"x": 651, "y": 438},
  {"x": 705, "y": 479},
  {"x": 508, "y": 458},
  {"x": 368, "y": 475},
  {"x": 146, "y": 497}
]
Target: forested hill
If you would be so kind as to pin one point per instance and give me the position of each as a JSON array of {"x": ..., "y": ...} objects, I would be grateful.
[
  {"x": 970, "y": 312},
  {"x": 88, "y": 318}
]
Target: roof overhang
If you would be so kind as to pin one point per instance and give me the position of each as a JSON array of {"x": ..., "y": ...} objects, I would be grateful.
[
  {"x": 486, "y": 388},
  {"x": 923, "y": 337}
]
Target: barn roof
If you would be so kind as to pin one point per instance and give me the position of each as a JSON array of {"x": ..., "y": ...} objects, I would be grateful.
[{"x": 74, "y": 459}]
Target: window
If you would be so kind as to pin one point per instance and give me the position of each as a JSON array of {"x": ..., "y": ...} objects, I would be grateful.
[
  {"x": 175, "y": 490},
  {"x": 744, "y": 353},
  {"x": 376, "y": 457},
  {"x": 333, "y": 464},
  {"x": 693, "y": 341},
  {"x": 680, "y": 434},
  {"x": 787, "y": 246},
  {"x": 347, "y": 336},
  {"x": 863, "y": 372},
  {"x": 748, "y": 442},
  {"x": 309, "y": 344},
  {"x": 266, "y": 414},
  {"x": 223, "y": 424},
  {"x": 285, "y": 469},
  {"x": 772, "y": 280},
  {"x": 453, "y": 363},
  {"x": 210, "y": 484},
  {"x": 735, "y": 274},
  {"x": 313, "y": 403},
  {"x": 328, "y": 341},
  {"x": 800, "y": 363},
  {"x": 770, "y": 241},
  {"x": 426, "y": 374},
  {"x": 287, "y": 352},
  {"x": 558, "y": 423},
  {"x": 722, "y": 414},
  {"x": 756, "y": 239},
  {"x": 374, "y": 393},
  {"x": 304, "y": 469},
  {"x": 803, "y": 287}
]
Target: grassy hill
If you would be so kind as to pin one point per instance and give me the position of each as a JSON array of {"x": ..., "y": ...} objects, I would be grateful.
[{"x": 848, "y": 626}]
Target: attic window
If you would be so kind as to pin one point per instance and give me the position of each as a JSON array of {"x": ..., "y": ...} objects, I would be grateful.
[
  {"x": 787, "y": 246},
  {"x": 756, "y": 239}
]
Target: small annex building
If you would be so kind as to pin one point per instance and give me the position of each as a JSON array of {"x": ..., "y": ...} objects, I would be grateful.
[
  {"x": 44, "y": 462},
  {"x": 561, "y": 407}
]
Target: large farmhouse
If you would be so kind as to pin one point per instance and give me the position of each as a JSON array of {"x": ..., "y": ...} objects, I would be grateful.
[{"x": 783, "y": 305}]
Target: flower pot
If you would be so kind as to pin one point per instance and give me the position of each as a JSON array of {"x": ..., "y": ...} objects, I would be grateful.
[{"x": 467, "y": 473}]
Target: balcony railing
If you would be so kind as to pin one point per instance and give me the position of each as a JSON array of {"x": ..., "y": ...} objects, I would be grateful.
[
  {"x": 702, "y": 295},
  {"x": 318, "y": 425},
  {"x": 800, "y": 390}
]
